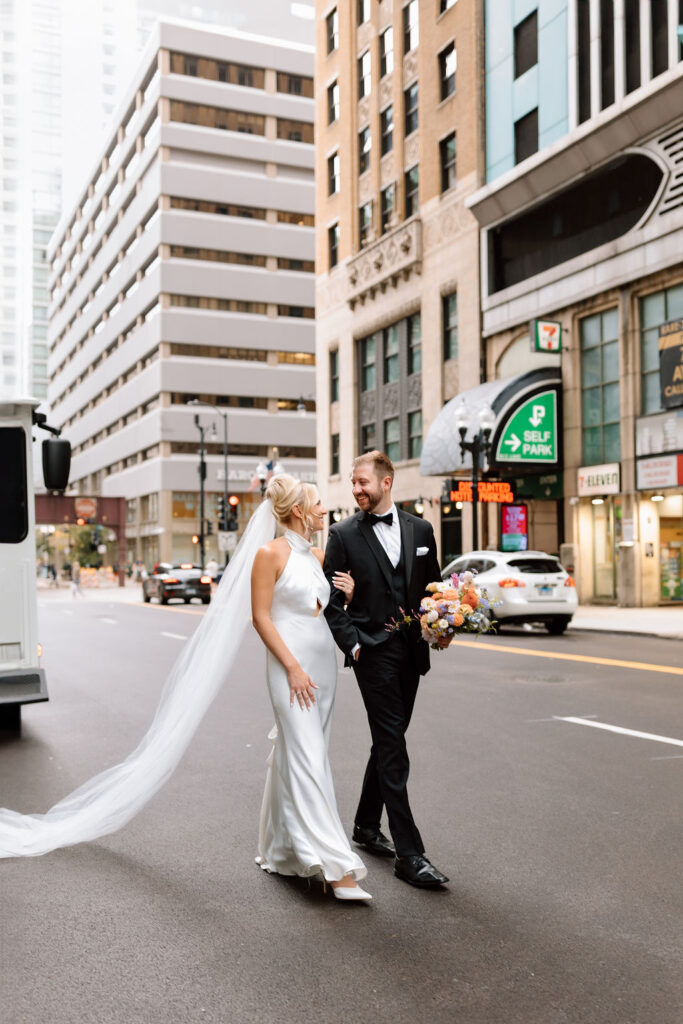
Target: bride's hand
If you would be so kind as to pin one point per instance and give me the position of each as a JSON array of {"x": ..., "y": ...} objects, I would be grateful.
[
  {"x": 344, "y": 581},
  {"x": 301, "y": 688}
]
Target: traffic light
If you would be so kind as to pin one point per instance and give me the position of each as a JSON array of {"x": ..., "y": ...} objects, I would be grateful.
[
  {"x": 209, "y": 528},
  {"x": 222, "y": 513},
  {"x": 195, "y": 538},
  {"x": 233, "y": 501}
]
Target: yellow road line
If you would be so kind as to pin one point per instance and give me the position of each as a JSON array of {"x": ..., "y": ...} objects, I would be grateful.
[
  {"x": 170, "y": 608},
  {"x": 641, "y": 666}
]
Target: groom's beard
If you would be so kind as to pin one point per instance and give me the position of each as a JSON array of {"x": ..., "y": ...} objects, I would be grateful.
[{"x": 370, "y": 502}]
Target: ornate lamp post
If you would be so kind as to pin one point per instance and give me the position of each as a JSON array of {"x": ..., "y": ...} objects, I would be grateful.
[{"x": 480, "y": 448}]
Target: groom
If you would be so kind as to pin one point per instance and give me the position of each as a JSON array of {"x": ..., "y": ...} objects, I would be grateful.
[{"x": 392, "y": 557}]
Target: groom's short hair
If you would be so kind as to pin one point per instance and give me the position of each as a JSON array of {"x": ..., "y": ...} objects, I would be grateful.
[{"x": 381, "y": 463}]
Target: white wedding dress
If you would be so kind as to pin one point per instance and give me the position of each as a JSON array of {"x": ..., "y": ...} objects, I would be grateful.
[{"x": 300, "y": 830}]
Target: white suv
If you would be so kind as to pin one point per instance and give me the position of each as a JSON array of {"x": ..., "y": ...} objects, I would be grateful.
[{"x": 522, "y": 586}]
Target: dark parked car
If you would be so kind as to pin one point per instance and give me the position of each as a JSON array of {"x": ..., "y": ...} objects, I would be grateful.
[{"x": 180, "y": 579}]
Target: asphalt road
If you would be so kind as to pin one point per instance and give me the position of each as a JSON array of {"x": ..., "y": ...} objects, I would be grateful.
[{"x": 562, "y": 842}]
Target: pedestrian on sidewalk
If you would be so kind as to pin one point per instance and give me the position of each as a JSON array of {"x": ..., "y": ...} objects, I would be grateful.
[{"x": 76, "y": 580}]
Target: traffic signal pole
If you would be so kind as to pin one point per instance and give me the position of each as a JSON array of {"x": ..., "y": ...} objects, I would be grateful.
[{"x": 202, "y": 477}]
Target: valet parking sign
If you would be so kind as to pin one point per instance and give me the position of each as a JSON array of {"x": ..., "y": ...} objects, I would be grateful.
[{"x": 530, "y": 433}]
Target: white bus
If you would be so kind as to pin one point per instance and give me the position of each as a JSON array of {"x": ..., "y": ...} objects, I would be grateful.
[{"x": 22, "y": 680}]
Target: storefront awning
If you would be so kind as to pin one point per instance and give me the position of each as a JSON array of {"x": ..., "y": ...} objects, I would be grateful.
[{"x": 527, "y": 431}]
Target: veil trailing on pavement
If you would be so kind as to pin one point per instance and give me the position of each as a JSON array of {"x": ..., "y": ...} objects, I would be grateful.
[{"x": 112, "y": 798}]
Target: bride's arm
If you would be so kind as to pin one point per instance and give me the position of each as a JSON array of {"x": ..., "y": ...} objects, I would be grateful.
[{"x": 263, "y": 577}]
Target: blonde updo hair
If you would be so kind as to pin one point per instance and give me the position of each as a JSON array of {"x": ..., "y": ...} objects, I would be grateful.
[{"x": 285, "y": 492}]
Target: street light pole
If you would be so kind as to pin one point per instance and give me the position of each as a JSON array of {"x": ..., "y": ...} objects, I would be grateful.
[
  {"x": 202, "y": 477},
  {"x": 479, "y": 446},
  {"x": 210, "y": 405}
]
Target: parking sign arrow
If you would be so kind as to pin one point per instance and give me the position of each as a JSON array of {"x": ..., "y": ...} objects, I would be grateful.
[
  {"x": 537, "y": 415},
  {"x": 514, "y": 442}
]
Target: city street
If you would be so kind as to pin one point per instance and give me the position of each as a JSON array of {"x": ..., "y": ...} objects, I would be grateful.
[{"x": 562, "y": 843}]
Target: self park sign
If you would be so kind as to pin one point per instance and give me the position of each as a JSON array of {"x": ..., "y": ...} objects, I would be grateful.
[{"x": 530, "y": 433}]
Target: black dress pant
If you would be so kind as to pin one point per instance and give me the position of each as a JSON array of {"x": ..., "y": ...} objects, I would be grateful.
[{"x": 388, "y": 681}]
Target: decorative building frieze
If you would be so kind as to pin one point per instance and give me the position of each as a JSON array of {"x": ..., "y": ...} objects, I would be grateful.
[
  {"x": 409, "y": 67},
  {"x": 391, "y": 400},
  {"x": 367, "y": 406},
  {"x": 387, "y": 173},
  {"x": 385, "y": 90},
  {"x": 365, "y": 187},
  {"x": 364, "y": 111},
  {"x": 393, "y": 257},
  {"x": 411, "y": 150}
]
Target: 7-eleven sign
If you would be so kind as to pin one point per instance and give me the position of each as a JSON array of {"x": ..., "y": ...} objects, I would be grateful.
[{"x": 546, "y": 336}]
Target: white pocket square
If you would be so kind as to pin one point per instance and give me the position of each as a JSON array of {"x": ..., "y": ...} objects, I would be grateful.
[{"x": 422, "y": 551}]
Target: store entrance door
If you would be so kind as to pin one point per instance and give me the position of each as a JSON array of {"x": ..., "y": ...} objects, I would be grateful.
[{"x": 605, "y": 516}]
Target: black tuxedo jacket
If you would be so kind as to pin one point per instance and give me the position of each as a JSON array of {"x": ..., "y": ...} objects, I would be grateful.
[{"x": 353, "y": 547}]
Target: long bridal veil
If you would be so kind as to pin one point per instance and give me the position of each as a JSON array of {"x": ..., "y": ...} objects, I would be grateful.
[{"x": 112, "y": 798}]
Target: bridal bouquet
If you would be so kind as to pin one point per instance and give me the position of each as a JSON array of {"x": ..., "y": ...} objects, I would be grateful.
[{"x": 448, "y": 608}]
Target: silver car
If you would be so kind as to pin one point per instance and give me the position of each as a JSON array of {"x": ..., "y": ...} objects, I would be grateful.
[{"x": 522, "y": 586}]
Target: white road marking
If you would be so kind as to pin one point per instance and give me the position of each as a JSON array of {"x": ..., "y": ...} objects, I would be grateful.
[
  {"x": 175, "y": 636},
  {"x": 623, "y": 732},
  {"x": 110, "y": 622}
]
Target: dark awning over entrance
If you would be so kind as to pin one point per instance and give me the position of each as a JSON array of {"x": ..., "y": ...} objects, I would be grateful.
[{"x": 515, "y": 444}]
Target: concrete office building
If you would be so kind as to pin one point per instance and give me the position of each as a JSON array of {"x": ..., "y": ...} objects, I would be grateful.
[
  {"x": 582, "y": 224},
  {"x": 397, "y": 296},
  {"x": 186, "y": 272}
]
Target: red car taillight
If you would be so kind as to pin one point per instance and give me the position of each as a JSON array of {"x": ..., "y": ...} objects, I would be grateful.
[
  {"x": 569, "y": 582},
  {"x": 171, "y": 579},
  {"x": 510, "y": 581}
]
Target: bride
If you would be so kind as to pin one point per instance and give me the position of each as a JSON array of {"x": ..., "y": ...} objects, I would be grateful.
[
  {"x": 300, "y": 828},
  {"x": 300, "y": 832}
]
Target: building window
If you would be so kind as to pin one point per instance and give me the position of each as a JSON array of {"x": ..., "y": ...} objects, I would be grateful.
[
  {"x": 583, "y": 39},
  {"x": 386, "y": 51},
  {"x": 332, "y": 27},
  {"x": 295, "y": 85},
  {"x": 392, "y": 438},
  {"x": 526, "y": 44},
  {"x": 333, "y": 102},
  {"x": 415, "y": 434},
  {"x": 368, "y": 437},
  {"x": 391, "y": 365},
  {"x": 655, "y": 310},
  {"x": 388, "y": 196},
  {"x": 386, "y": 120},
  {"x": 333, "y": 245},
  {"x": 600, "y": 404},
  {"x": 295, "y": 131},
  {"x": 333, "y": 174},
  {"x": 526, "y": 136},
  {"x": 411, "y": 190},
  {"x": 606, "y": 53},
  {"x": 364, "y": 145},
  {"x": 411, "y": 33},
  {"x": 445, "y": 5},
  {"x": 365, "y": 222},
  {"x": 448, "y": 60},
  {"x": 410, "y": 108},
  {"x": 367, "y": 364},
  {"x": 334, "y": 454},
  {"x": 363, "y": 11},
  {"x": 632, "y": 29},
  {"x": 659, "y": 37},
  {"x": 450, "y": 325},
  {"x": 447, "y": 158},
  {"x": 334, "y": 375},
  {"x": 364, "y": 77},
  {"x": 217, "y": 117},
  {"x": 414, "y": 326}
]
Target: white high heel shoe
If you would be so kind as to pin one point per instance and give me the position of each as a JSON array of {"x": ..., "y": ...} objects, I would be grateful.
[{"x": 343, "y": 892}]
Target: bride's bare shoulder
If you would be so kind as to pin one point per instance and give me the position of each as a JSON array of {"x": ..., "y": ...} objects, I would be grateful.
[{"x": 274, "y": 553}]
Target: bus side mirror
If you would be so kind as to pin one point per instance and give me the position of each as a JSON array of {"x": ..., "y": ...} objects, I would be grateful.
[{"x": 56, "y": 463}]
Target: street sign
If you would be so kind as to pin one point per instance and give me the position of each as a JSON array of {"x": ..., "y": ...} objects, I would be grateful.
[
  {"x": 671, "y": 363},
  {"x": 85, "y": 508},
  {"x": 227, "y": 542},
  {"x": 546, "y": 336},
  {"x": 498, "y": 491},
  {"x": 530, "y": 433}
]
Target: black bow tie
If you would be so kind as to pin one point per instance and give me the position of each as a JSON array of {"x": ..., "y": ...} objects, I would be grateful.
[{"x": 388, "y": 518}]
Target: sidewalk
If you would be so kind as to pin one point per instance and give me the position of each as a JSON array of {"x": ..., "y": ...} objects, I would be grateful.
[{"x": 666, "y": 621}]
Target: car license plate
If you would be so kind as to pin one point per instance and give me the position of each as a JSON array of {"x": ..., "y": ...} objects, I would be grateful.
[
  {"x": 544, "y": 589},
  {"x": 192, "y": 591}
]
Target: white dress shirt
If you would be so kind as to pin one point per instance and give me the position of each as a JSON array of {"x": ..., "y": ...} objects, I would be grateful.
[{"x": 389, "y": 536}]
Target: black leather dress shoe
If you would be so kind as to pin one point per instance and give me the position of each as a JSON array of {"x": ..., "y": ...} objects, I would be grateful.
[
  {"x": 374, "y": 842},
  {"x": 416, "y": 870}
]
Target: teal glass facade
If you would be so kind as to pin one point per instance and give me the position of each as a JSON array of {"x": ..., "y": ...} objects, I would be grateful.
[{"x": 544, "y": 87}]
